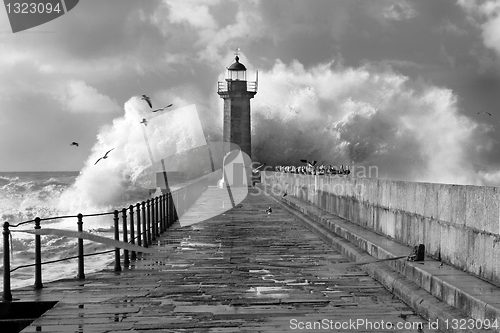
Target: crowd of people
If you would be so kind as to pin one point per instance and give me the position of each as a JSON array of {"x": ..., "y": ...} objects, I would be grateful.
[{"x": 315, "y": 170}]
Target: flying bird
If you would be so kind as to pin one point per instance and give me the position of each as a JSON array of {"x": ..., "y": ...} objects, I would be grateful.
[
  {"x": 269, "y": 210},
  {"x": 163, "y": 108},
  {"x": 147, "y": 99},
  {"x": 105, "y": 156},
  {"x": 145, "y": 122},
  {"x": 312, "y": 163},
  {"x": 74, "y": 143},
  {"x": 489, "y": 114},
  {"x": 258, "y": 168}
]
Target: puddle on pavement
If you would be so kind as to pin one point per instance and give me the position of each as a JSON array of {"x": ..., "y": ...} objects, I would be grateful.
[
  {"x": 180, "y": 265},
  {"x": 258, "y": 271},
  {"x": 267, "y": 277},
  {"x": 215, "y": 309},
  {"x": 368, "y": 298},
  {"x": 170, "y": 241},
  {"x": 198, "y": 244},
  {"x": 268, "y": 292},
  {"x": 305, "y": 283}
]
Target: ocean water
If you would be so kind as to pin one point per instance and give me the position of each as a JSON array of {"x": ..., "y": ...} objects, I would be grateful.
[{"x": 26, "y": 195}]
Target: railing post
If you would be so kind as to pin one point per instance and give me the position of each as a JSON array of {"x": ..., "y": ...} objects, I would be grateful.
[
  {"x": 148, "y": 221},
  {"x": 126, "y": 260},
  {"x": 132, "y": 234},
  {"x": 118, "y": 267},
  {"x": 7, "y": 295},
  {"x": 176, "y": 206},
  {"x": 167, "y": 203},
  {"x": 139, "y": 235},
  {"x": 165, "y": 209},
  {"x": 81, "y": 274},
  {"x": 157, "y": 219},
  {"x": 162, "y": 206},
  {"x": 38, "y": 257},
  {"x": 153, "y": 220},
  {"x": 144, "y": 226},
  {"x": 170, "y": 209}
]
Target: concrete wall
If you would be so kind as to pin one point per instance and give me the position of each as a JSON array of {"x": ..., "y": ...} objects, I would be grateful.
[{"x": 457, "y": 223}]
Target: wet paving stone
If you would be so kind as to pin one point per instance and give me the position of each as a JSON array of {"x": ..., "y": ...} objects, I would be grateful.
[{"x": 243, "y": 271}]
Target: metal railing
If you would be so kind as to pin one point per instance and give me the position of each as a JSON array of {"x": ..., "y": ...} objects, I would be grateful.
[
  {"x": 251, "y": 86},
  {"x": 144, "y": 222}
]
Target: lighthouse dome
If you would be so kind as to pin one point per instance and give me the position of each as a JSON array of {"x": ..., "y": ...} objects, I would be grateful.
[
  {"x": 236, "y": 71},
  {"x": 237, "y": 65}
]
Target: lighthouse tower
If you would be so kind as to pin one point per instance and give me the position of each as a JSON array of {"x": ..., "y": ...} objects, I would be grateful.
[{"x": 237, "y": 92}]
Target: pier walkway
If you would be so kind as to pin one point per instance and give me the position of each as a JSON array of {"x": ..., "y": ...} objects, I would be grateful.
[{"x": 242, "y": 271}]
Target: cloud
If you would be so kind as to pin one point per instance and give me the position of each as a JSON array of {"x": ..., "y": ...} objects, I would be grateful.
[
  {"x": 486, "y": 16},
  {"x": 369, "y": 116},
  {"x": 447, "y": 57},
  {"x": 221, "y": 26},
  {"x": 398, "y": 11},
  {"x": 387, "y": 12},
  {"x": 78, "y": 97},
  {"x": 212, "y": 40},
  {"x": 195, "y": 13},
  {"x": 287, "y": 18},
  {"x": 401, "y": 63},
  {"x": 448, "y": 27}
]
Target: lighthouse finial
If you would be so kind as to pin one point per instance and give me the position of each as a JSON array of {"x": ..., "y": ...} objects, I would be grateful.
[{"x": 236, "y": 53}]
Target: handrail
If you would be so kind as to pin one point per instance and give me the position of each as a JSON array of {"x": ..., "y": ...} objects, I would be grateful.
[
  {"x": 59, "y": 260},
  {"x": 152, "y": 217}
]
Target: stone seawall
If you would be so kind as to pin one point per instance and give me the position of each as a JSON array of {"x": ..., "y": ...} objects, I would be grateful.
[{"x": 459, "y": 224}]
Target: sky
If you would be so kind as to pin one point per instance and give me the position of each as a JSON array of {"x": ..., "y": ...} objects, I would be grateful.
[{"x": 405, "y": 86}]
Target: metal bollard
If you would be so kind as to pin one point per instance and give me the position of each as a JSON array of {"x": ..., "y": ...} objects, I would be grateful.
[
  {"x": 7, "y": 295},
  {"x": 80, "y": 274},
  {"x": 126, "y": 260},
  {"x": 144, "y": 226},
  {"x": 118, "y": 267},
  {"x": 38, "y": 257},
  {"x": 132, "y": 235}
]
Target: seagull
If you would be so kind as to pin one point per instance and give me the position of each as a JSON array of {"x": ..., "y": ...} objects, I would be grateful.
[
  {"x": 163, "y": 108},
  {"x": 105, "y": 156},
  {"x": 147, "y": 99},
  {"x": 258, "y": 168},
  {"x": 312, "y": 163},
  {"x": 485, "y": 113},
  {"x": 145, "y": 122},
  {"x": 74, "y": 143}
]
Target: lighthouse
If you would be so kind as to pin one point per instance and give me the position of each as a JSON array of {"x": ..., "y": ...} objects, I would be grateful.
[{"x": 237, "y": 92}]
